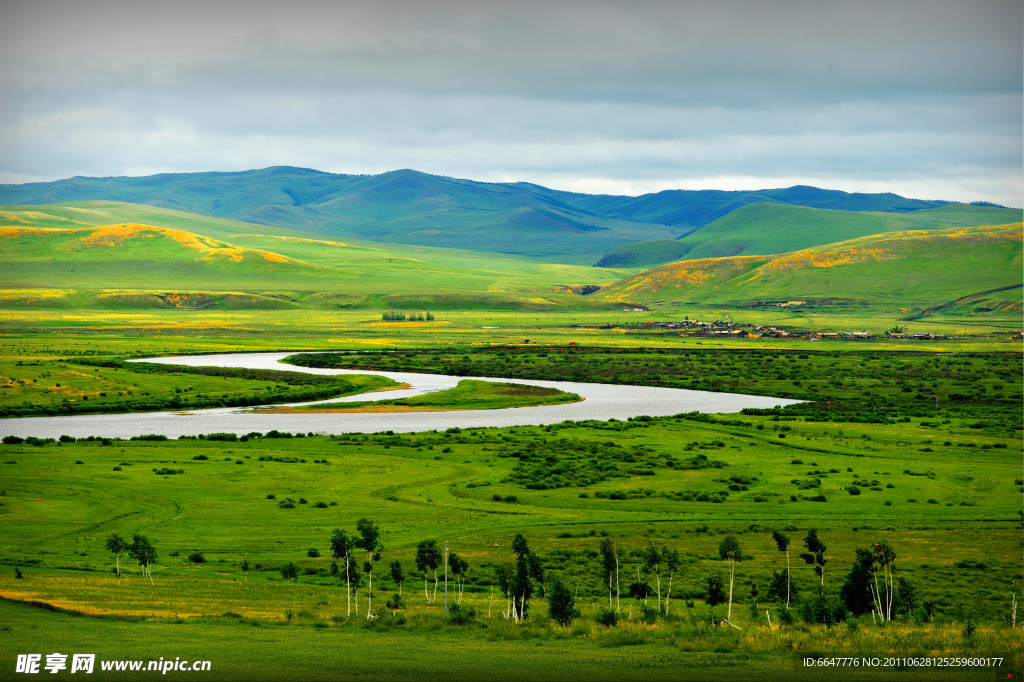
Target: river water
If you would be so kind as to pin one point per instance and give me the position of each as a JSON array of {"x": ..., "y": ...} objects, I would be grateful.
[{"x": 601, "y": 401}]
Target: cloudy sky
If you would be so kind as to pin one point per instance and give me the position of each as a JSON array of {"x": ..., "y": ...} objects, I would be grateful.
[{"x": 919, "y": 98}]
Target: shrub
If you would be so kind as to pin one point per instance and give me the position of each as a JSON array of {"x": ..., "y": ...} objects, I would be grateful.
[
  {"x": 461, "y": 615},
  {"x": 197, "y": 558},
  {"x": 271, "y": 496},
  {"x": 853, "y": 490},
  {"x": 13, "y": 440},
  {"x": 649, "y": 614},
  {"x": 313, "y": 552},
  {"x": 607, "y": 617}
]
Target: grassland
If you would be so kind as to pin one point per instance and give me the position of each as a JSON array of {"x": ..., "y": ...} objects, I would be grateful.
[
  {"x": 961, "y": 551},
  {"x": 768, "y": 228},
  {"x": 467, "y": 395}
]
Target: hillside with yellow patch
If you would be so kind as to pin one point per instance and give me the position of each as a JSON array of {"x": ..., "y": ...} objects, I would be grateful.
[
  {"x": 943, "y": 263},
  {"x": 128, "y": 235}
]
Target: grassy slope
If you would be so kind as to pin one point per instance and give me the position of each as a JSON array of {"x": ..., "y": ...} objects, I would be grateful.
[
  {"x": 938, "y": 265},
  {"x": 317, "y": 273},
  {"x": 767, "y": 228}
]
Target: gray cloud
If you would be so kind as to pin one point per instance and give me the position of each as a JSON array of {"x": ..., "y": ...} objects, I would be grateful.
[{"x": 921, "y": 98}]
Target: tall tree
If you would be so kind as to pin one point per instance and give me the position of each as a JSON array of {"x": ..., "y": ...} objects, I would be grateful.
[
  {"x": 505, "y": 573},
  {"x": 857, "y": 592},
  {"x": 459, "y": 568},
  {"x": 143, "y": 551},
  {"x": 884, "y": 555},
  {"x": 672, "y": 564},
  {"x": 369, "y": 542},
  {"x": 782, "y": 542},
  {"x": 815, "y": 555},
  {"x": 398, "y": 575},
  {"x": 610, "y": 568},
  {"x": 428, "y": 557},
  {"x": 117, "y": 546},
  {"x": 527, "y": 569},
  {"x": 652, "y": 559},
  {"x": 729, "y": 549},
  {"x": 245, "y": 568},
  {"x": 341, "y": 548}
]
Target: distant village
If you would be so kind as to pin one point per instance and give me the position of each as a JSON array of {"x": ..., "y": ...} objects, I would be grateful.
[{"x": 732, "y": 330}]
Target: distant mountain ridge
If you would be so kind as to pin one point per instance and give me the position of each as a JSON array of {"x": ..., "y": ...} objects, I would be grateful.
[{"x": 411, "y": 207}]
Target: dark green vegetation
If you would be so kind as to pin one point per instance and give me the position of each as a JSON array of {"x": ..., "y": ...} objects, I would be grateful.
[
  {"x": 937, "y": 265},
  {"x": 83, "y": 385},
  {"x": 839, "y": 386},
  {"x": 467, "y": 395},
  {"x": 767, "y": 228},
  {"x": 409, "y": 207}
]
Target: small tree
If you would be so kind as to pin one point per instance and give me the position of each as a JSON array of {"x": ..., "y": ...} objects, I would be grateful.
[
  {"x": 729, "y": 549},
  {"x": 815, "y": 555},
  {"x": 562, "y": 603},
  {"x": 290, "y": 571},
  {"x": 369, "y": 542},
  {"x": 714, "y": 591},
  {"x": 672, "y": 564},
  {"x": 245, "y": 568},
  {"x": 459, "y": 568},
  {"x": 782, "y": 542},
  {"x": 398, "y": 575},
  {"x": 143, "y": 551},
  {"x": 341, "y": 548},
  {"x": 428, "y": 557},
  {"x": 117, "y": 546},
  {"x": 610, "y": 568},
  {"x": 652, "y": 564}
]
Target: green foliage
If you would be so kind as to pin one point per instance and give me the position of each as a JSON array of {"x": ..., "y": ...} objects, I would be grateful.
[
  {"x": 607, "y": 617},
  {"x": 561, "y": 602},
  {"x": 714, "y": 590}
]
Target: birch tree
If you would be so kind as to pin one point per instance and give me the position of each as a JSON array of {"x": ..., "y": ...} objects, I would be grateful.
[
  {"x": 610, "y": 567},
  {"x": 652, "y": 564},
  {"x": 815, "y": 555},
  {"x": 884, "y": 555},
  {"x": 369, "y": 542},
  {"x": 143, "y": 551},
  {"x": 729, "y": 549},
  {"x": 428, "y": 558},
  {"x": 398, "y": 575},
  {"x": 527, "y": 569},
  {"x": 341, "y": 548},
  {"x": 117, "y": 546},
  {"x": 459, "y": 568},
  {"x": 672, "y": 564},
  {"x": 782, "y": 542}
]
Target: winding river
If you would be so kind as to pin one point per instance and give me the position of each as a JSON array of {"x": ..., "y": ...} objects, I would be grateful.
[{"x": 601, "y": 402}]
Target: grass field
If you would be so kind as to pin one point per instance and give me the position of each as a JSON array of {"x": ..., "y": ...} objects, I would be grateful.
[{"x": 643, "y": 481}]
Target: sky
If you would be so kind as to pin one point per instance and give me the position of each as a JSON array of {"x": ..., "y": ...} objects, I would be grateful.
[{"x": 924, "y": 99}]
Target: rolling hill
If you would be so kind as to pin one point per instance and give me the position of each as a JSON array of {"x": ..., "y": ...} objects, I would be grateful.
[
  {"x": 410, "y": 207},
  {"x": 766, "y": 228},
  {"x": 939, "y": 265},
  {"x": 110, "y": 254}
]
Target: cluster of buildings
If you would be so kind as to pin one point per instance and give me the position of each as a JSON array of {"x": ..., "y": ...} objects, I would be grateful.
[{"x": 732, "y": 330}]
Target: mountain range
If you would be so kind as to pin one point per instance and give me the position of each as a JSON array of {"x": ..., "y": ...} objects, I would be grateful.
[{"x": 522, "y": 219}]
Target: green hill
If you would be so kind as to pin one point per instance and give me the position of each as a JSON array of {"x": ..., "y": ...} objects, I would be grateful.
[
  {"x": 766, "y": 228},
  {"x": 114, "y": 254},
  {"x": 409, "y": 207},
  {"x": 937, "y": 265}
]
